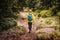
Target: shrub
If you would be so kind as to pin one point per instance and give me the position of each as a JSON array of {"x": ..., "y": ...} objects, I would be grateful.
[
  {"x": 20, "y": 30},
  {"x": 46, "y": 13},
  {"x": 37, "y": 12},
  {"x": 45, "y": 36},
  {"x": 57, "y": 27},
  {"x": 8, "y": 23},
  {"x": 38, "y": 27},
  {"x": 53, "y": 35},
  {"x": 15, "y": 15},
  {"x": 39, "y": 15},
  {"x": 58, "y": 13},
  {"x": 48, "y": 21}
]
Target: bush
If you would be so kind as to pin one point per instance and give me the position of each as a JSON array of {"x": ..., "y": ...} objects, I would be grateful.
[
  {"x": 20, "y": 30},
  {"x": 46, "y": 13},
  {"x": 48, "y": 21},
  {"x": 7, "y": 23},
  {"x": 15, "y": 15},
  {"x": 51, "y": 35},
  {"x": 57, "y": 27},
  {"x": 58, "y": 13},
  {"x": 37, "y": 12},
  {"x": 39, "y": 15},
  {"x": 38, "y": 27},
  {"x": 23, "y": 31},
  {"x": 46, "y": 36}
]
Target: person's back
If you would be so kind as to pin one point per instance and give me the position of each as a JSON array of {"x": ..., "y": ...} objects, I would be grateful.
[{"x": 30, "y": 19}]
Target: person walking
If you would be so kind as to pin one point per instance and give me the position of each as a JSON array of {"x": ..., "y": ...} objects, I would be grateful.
[{"x": 30, "y": 19}]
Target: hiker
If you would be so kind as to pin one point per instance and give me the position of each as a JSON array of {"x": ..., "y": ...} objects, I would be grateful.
[{"x": 30, "y": 19}]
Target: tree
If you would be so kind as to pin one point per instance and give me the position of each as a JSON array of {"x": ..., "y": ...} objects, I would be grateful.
[{"x": 8, "y": 9}]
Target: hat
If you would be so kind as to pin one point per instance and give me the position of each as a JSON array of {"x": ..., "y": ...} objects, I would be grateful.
[{"x": 30, "y": 10}]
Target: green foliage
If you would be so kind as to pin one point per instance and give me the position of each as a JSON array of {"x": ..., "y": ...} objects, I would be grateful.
[
  {"x": 53, "y": 5},
  {"x": 39, "y": 4},
  {"x": 8, "y": 7},
  {"x": 46, "y": 13},
  {"x": 20, "y": 30},
  {"x": 7, "y": 23},
  {"x": 43, "y": 35},
  {"x": 58, "y": 13},
  {"x": 39, "y": 15},
  {"x": 48, "y": 21},
  {"x": 8, "y": 14},
  {"x": 23, "y": 31},
  {"x": 38, "y": 27},
  {"x": 15, "y": 16},
  {"x": 37, "y": 12},
  {"x": 57, "y": 27}
]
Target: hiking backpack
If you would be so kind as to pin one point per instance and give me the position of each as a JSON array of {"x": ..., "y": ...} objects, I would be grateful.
[{"x": 29, "y": 17}]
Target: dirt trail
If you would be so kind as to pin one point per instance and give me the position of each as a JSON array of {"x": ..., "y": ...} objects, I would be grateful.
[
  {"x": 22, "y": 22},
  {"x": 28, "y": 36}
]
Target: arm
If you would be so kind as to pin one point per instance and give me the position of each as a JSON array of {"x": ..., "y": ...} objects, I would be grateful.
[
  {"x": 26, "y": 17},
  {"x": 33, "y": 18}
]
